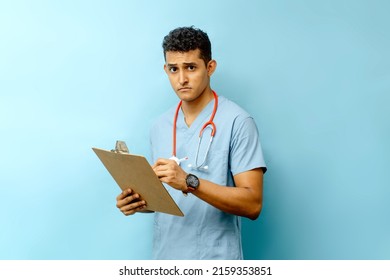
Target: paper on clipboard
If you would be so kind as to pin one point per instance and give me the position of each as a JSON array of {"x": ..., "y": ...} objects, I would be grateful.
[{"x": 133, "y": 171}]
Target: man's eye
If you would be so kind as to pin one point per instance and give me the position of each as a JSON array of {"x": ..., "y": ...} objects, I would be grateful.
[
  {"x": 191, "y": 68},
  {"x": 172, "y": 69}
]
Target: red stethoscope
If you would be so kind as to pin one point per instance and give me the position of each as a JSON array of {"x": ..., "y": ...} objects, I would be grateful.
[{"x": 209, "y": 124}]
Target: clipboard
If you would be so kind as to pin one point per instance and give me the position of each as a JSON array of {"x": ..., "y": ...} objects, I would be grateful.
[{"x": 134, "y": 171}]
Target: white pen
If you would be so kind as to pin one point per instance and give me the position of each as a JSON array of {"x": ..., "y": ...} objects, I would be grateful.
[{"x": 178, "y": 160}]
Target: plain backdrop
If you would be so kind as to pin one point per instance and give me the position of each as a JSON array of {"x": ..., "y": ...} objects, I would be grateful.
[{"x": 315, "y": 75}]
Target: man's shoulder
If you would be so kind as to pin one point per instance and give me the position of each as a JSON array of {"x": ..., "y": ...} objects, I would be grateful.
[{"x": 231, "y": 107}]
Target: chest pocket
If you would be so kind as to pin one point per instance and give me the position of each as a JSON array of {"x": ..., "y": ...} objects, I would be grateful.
[{"x": 217, "y": 163}]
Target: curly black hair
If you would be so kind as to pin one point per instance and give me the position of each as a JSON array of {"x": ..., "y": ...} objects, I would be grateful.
[{"x": 184, "y": 39}]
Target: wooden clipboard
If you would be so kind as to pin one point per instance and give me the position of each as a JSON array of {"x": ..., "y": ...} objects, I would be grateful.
[{"x": 133, "y": 171}]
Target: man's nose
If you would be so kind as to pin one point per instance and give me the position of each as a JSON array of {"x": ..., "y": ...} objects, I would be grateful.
[{"x": 183, "y": 78}]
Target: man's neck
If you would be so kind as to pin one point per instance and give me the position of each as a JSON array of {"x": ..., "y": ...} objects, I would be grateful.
[{"x": 191, "y": 109}]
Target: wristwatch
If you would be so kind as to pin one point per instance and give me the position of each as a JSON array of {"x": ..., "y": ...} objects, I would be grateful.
[{"x": 192, "y": 183}]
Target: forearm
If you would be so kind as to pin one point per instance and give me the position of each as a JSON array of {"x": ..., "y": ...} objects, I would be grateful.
[{"x": 242, "y": 200}]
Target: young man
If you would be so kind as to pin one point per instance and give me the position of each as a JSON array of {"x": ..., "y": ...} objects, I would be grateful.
[{"x": 214, "y": 183}]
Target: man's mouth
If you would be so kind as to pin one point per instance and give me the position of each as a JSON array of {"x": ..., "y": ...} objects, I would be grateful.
[{"x": 184, "y": 89}]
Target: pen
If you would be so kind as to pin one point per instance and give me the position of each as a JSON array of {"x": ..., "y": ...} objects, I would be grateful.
[{"x": 178, "y": 160}]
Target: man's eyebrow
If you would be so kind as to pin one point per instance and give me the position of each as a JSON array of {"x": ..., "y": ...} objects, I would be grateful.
[
  {"x": 189, "y": 63},
  {"x": 184, "y": 63}
]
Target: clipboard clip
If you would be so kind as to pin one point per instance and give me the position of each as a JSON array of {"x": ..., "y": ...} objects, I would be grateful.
[{"x": 120, "y": 147}]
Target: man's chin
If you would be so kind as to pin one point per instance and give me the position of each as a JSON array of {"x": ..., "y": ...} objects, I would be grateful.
[{"x": 186, "y": 96}]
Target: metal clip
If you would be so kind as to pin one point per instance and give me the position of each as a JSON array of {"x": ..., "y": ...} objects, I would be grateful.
[{"x": 120, "y": 147}]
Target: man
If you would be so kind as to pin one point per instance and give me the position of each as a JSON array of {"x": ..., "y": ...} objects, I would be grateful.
[{"x": 213, "y": 185}]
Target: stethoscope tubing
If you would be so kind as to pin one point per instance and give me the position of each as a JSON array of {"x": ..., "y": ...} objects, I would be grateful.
[{"x": 210, "y": 122}]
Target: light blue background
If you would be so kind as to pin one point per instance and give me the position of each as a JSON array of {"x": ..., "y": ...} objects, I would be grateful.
[{"x": 76, "y": 74}]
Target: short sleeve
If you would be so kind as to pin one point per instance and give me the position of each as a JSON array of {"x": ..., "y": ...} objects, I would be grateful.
[{"x": 245, "y": 147}]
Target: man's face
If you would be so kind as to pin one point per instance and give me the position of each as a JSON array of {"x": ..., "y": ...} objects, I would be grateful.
[{"x": 188, "y": 74}]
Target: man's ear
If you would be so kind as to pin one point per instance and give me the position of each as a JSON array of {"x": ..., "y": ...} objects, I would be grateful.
[
  {"x": 165, "y": 68},
  {"x": 211, "y": 66}
]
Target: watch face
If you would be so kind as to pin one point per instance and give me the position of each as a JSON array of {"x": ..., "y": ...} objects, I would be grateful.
[{"x": 192, "y": 181}]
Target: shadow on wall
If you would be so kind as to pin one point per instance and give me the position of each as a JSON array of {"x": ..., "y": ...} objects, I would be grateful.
[
  {"x": 258, "y": 236},
  {"x": 266, "y": 238}
]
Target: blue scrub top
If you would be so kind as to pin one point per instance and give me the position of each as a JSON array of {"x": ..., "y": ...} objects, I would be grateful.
[{"x": 205, "y": 232}]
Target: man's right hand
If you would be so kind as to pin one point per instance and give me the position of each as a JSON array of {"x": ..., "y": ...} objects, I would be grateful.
[{"x": 128, "y": 202}]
